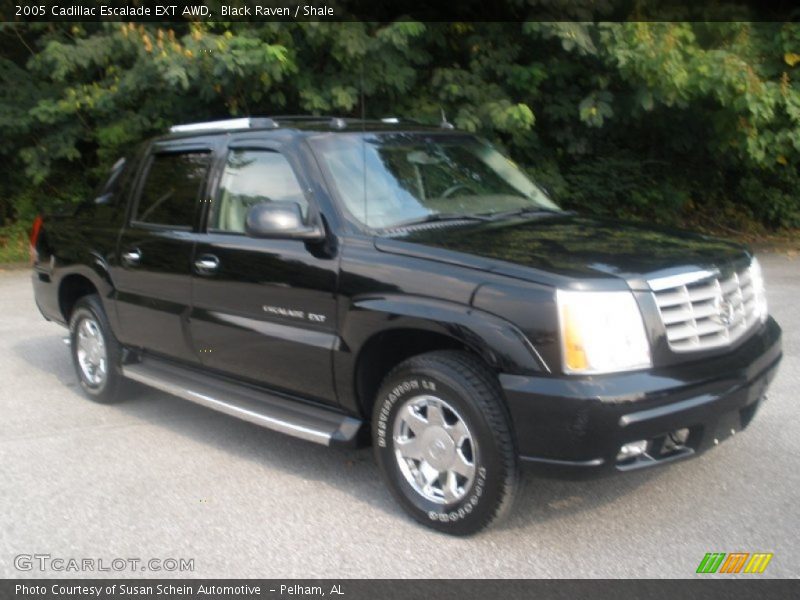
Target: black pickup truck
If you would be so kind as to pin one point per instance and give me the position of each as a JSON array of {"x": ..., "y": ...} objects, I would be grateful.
[{"x": 357, "y": 282}]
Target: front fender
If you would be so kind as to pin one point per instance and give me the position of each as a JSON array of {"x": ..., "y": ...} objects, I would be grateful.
[{"x": 500, "y": 343}]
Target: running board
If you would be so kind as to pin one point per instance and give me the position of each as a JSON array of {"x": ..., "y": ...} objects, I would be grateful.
[{"x": 272, "y": 411}]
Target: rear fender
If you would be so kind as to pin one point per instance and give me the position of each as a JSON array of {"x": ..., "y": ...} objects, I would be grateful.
[{"x": 97, "y": 273}]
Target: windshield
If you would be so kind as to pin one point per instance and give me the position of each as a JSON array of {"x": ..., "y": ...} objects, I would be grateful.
[{"x": 411, "y": 177}]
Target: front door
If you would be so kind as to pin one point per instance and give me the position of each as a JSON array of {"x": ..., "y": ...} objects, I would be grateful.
[
  {"x": 263, "y": 309},
  {"x": 153, "y": 273}
]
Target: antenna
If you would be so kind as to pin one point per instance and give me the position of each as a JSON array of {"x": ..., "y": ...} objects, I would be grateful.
[
  {"x": 364, "y": 144},
  {"x": 445, "y": 124}
]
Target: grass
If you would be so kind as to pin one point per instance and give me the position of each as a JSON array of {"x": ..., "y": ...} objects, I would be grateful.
[
  {"x": 783, "y": 242},
  {"x": 14, "y": 244}
]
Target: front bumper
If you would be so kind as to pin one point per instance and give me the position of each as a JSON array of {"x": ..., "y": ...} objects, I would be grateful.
[{"x": 571, "y": 426}]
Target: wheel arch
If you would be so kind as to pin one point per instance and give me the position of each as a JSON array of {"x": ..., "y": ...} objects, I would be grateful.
[
  {"x": 388, "y": 348},
  {"x": 72, "y": 288},
  {"x": 379, "y": 333},
  {"x": 82, "y": 280}
]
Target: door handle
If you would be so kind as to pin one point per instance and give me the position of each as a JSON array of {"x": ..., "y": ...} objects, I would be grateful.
[
  {"x": 206, "y": 264},
  {"x": 132, "y": 257}
]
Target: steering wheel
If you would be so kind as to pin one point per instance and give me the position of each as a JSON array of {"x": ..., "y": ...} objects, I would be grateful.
[{"x": 454, "y": 188}]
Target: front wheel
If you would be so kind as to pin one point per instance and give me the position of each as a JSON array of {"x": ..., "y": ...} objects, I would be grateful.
[{"x": 443, "y": 441}]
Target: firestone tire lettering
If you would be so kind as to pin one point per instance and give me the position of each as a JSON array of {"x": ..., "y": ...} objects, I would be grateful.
[{"x": 471, "y": 388}]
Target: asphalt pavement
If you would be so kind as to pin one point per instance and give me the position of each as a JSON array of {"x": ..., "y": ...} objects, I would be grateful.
[{"x": 160, "y": 478}]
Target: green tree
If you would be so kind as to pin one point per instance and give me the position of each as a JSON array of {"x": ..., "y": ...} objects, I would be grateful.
[{"x": 693, "y": 122}]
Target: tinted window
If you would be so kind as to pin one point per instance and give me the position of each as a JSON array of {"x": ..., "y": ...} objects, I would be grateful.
[
  {"x": 251, "y": 177},
  {"x": 170, "y": 192}
]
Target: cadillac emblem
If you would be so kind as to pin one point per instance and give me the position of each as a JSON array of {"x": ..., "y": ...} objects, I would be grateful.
[{"x": 725, "y": 311}]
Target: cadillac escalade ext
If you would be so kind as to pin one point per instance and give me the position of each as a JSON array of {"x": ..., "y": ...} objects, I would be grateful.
[{"x": 356, "y": 282}]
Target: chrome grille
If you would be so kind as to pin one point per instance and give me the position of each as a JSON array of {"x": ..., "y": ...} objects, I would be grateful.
[{"x": 703, "y": 310}]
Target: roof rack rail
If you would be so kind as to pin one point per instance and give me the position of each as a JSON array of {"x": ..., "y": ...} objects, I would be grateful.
[
  {"x": 302, "y": 117},
  {"x": 333, "y": 122},
  {"x": 401, "y": 120},
  {"x": 338, "y": 122},
  {"x": 225, "y": 124},
  {"x": 276, "y": 121}
]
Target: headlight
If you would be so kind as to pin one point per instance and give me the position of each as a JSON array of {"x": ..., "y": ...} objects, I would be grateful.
[
  {"x": 759, "y": 292},
  {"x": 601, "y": 332}
]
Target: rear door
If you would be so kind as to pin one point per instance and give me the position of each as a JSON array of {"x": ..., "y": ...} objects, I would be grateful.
[
  {"x": 155, "y": 250},
  {"x": 264, "y": 310}
]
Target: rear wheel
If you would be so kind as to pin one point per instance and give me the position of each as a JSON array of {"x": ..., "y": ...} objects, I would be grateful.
[
  {"x": 443, "y": 441},
  {"x": 96, "y": 354}
]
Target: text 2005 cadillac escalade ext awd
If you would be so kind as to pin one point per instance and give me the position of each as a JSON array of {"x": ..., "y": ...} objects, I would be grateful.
[{"x": 350, "y": 282}]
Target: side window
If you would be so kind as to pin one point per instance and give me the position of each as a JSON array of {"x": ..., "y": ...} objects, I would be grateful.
[
  {"x": 252, "y": 177},
  {"x": 169, "y": 195}
]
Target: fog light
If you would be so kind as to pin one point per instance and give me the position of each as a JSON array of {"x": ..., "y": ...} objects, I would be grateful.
[
  {"x": 679, "y": 437},
  {"x": 632, "y": 450},
  {"x": 675, "y": 441}
]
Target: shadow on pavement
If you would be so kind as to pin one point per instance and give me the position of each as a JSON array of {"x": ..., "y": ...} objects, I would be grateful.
[{"x": 352, "y": 471}]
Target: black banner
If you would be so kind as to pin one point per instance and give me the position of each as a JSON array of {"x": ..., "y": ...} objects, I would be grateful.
[
  {"x": 405, "y": 589},
  {"x": 33, "y": 11}
]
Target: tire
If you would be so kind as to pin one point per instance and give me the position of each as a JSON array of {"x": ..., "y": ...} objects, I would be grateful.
[
  {"x": 442, "y": 439},
  {"x": 88, "y": 324}
]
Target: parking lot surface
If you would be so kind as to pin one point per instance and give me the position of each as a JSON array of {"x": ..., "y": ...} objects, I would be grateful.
[{"x": 157, "y": 477}]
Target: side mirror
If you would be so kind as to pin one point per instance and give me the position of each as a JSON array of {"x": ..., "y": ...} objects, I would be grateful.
[{"x": 280, "y": 220}]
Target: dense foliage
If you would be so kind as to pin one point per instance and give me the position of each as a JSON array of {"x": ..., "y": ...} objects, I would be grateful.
[{"x": 673, "y": 122}]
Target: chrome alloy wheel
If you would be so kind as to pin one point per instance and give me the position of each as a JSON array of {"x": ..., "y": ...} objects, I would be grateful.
[
  {"x": 434, "y": 449},
  {"x": 91, "y": 351}
]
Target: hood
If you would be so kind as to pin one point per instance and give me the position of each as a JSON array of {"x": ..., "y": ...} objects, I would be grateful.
[{"x": 571, "y": 246}]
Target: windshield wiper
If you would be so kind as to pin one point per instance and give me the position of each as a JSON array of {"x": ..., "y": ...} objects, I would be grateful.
[
  {"x": 524, "y": 212},
  {"x": 434, "y": 217}
]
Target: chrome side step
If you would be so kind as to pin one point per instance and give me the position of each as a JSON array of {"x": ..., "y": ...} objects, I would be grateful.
[{"x": 272, "y": 411}]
